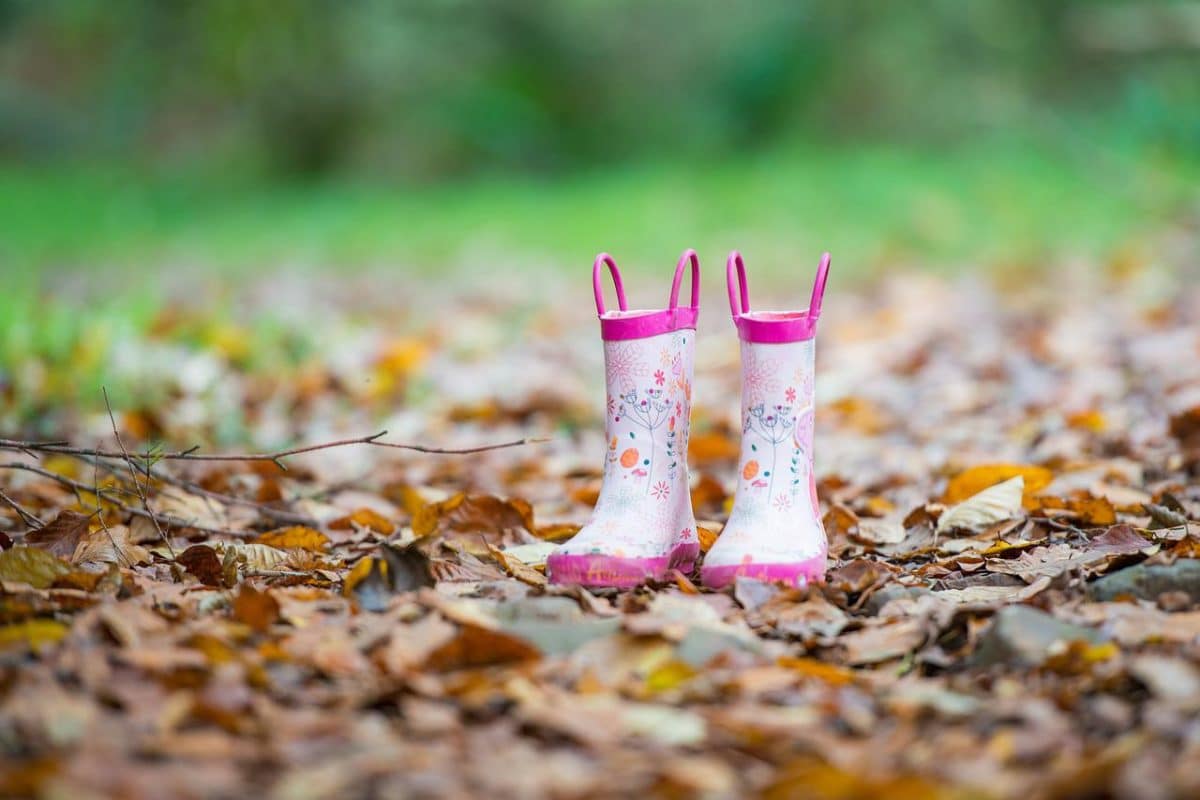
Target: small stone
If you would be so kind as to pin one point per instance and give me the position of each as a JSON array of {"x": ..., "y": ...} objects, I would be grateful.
[
  {"x": 1148, "y": 581},
  {"x": 1026, "y": 636}
]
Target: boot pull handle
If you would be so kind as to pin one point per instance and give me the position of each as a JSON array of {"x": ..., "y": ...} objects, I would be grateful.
[
  {"x": 735, "y": 279},
  {"x": 602, "y": 260},
  {"x": 734, "y": 264},
  {"x": 688, "y": 255},
  {"x": 818, "y": 292}
]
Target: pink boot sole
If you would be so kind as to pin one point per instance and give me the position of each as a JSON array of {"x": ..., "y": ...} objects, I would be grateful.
[
  {"x": 620, "y": 573},
  {"x": 797, "y": 574}
]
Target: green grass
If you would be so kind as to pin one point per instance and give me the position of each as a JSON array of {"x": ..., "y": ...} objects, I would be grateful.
[
  {"x": 974, "y": 205},
  {"x": 86, "y": 250}
]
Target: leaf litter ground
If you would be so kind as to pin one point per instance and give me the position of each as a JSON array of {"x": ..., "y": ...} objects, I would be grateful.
[{"x": 1012, "y": 609}]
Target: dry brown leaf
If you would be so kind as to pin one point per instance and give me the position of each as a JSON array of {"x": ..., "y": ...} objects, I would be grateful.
[
  {"x": 476, "y": 646},
  {"x": 203, "y": 562},
  {"x": 113, "y": 545},
  {"x": 258, "y": 610},
  {"x": 61, "y": 535},
  {"x": 517, "y": 568},
  {"x": 478, "y": 514},
  {"x": 882, "y": 642},
  {"x": 257, "y": 557}
]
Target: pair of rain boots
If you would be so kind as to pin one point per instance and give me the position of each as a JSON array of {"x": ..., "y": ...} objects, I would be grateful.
[{"x": 643, "y": 526}]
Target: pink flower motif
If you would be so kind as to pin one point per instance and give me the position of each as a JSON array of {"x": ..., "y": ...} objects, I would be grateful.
[
  {"x": 659, "y": 377},
  {"x": 623, "y": 365},
  {"x": 783, "y": 502},
  {"x": 661, "y": 490},
  {"x": 759, "y": 376},
  {"x": 790, "y": 394}
]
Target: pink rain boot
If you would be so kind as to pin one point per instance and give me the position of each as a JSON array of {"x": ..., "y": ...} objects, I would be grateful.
[
  {"x": 643, "y": 525},
  {"x": 774, "y": 532}
]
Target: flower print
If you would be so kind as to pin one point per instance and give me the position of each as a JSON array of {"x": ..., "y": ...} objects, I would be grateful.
[
  {"x": 661, "y": 490},
  {"x": 783, "y": 502},
  {"x": 623, "y": 365},
  {"x": 659, "y": 377},
  {"x": 678, "y": 409},
  {"x": 664, "y": 357},
  {"x": 790, "y": 394},
  {"x": 759, "y": 376},
  {"x": 612, "y": 405}
]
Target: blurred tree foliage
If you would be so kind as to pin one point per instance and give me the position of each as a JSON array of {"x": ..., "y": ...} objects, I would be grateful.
[{"x": 445, "y": 87}]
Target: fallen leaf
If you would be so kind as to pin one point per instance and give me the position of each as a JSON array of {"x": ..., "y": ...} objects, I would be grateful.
[
  {"x": 254, "y": 556},
  {"x": 974, "y": 480},
  {"x": 369, "y": 584},
  {"x": 820, "y": 670},
  {"x": 61, "y": 535},
  {"x": 994, "y": 504},
  {"x": 258, "y": 610},
  {"x": 517, "y": 568},
  {"x": 479, "y": 514},
  {"x": 202, "y": 561},
  {"x": 476, "y": 646},
  {"x": 717, "y": 446},
  {"x": 1050, "y": 562},
  {"x": 878, "y": 531},
  {"x": 364, "y": 518},
  {"x": 882, "y": 642},
  {"x": 35, "y": 634},
  {"x": 36, "y": 567},
  {"x": 295, "y": 537},
  {"x": 111, "y": 545}
]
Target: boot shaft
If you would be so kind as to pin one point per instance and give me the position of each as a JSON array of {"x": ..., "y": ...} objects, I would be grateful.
[{"x": 649, "y": 368}]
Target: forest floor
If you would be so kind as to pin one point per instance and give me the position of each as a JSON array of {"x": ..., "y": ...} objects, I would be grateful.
[{"x": 1008, "y": 476}]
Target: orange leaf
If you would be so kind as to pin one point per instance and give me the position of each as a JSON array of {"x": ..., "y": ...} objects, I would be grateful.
[
  {"x": 256, "y": 609},
  {"x": 295, "y": 537},
  {"x": 974, "y": 480},
  {"x": 476, "y": 646},
  {"x": 364, "y": 518}
]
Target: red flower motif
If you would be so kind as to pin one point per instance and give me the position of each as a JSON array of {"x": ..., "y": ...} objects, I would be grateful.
[
  {"x": 790, "y": 394},
  {"x": 659, "y": 377}
]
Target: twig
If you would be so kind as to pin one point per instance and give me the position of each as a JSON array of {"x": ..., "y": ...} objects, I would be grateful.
[
  {"x": 28, "y": 518},
  {"x": 76, "y": 486},
  {"x": 191, "y": 455},
  {"x": 137, "y": 486},
  {"x": 276, "y": 514},
  {"x": 104, "y": 524}
]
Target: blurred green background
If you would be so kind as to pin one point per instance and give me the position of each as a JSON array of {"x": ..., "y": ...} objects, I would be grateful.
[
  {"x": 243, "y": 130},
  {"x": 451, "y": 137}
]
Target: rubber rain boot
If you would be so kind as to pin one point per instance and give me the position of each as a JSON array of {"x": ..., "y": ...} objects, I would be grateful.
[
  {"x": 774, "y": 531},
  {"x": 642, "y": 526}
]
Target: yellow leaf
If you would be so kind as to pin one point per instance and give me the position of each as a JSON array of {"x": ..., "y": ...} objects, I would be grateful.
[
  {"x": 1092, "y": 420},
  {"x": 295, "y": 537},
  {"x": 360, "y": 571},
  {"x": 976, "y": 479},
  {"x": 30, "y": 565},
  {"x": 669, "y": 675},
  {"x": 36, "y": 634}
]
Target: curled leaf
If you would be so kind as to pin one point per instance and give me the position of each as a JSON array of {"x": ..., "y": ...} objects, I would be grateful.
[{"x": 992, "y": 505}]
